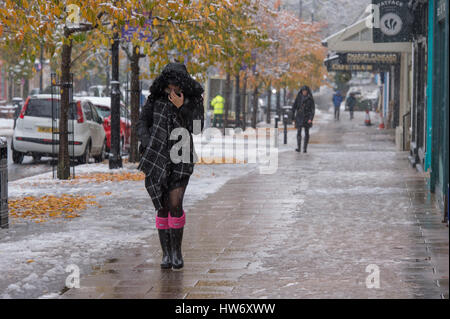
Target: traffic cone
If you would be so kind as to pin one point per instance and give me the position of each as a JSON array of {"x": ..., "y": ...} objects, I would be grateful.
[
  {"x": 367, "y": 120},
  {"x": 381, "y": 126}
]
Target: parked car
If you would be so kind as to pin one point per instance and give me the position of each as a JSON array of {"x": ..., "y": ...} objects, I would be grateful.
[
  {"x": 98, "y": 90},
  {"x": 35, "y": 91},
  {"x": 103, "y": 105},
  {"x": 33, "y": 132}
]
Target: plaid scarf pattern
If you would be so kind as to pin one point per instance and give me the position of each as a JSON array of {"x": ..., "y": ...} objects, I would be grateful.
[{"x": 156, "y": 162}]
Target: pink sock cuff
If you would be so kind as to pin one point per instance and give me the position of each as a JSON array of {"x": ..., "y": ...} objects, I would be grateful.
[
  {"x": 177, "y": 222},
  {"x": 162, "y": 223}
]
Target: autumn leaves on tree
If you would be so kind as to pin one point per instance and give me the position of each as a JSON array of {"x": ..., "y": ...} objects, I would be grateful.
[{"x": 253, "y": 41}]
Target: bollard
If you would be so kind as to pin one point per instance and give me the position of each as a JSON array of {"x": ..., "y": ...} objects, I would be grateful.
[
  {"x": 277, "y": 118},
  {"x": 285, "y": 121},
  {"x": 3, "y": 183}
]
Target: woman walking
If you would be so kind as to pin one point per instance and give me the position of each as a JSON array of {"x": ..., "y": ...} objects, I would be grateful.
[
  {"x": 303, "y": 112},
  {"x": 175, "y": 102}
]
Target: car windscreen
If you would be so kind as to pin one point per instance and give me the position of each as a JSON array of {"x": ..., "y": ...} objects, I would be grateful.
[
  {"x": 43, "y": 108},
  {"x": 103, "y": 111}
]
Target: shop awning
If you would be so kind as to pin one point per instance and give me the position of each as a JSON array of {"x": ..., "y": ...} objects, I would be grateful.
[{"x": 359, "y": 38}]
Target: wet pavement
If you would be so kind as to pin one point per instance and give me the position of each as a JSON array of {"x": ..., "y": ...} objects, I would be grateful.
[
  {"x": 315, "y": 229},
  {"x": 28, "y": 168}
]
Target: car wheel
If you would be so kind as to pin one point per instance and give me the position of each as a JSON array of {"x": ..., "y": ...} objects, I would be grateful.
[
  {"x": 17, "y": 157},
  {"x": 101, "y": 157},
  {"x": 36, "y": 157},
  {"x": 84, "y": 159}
]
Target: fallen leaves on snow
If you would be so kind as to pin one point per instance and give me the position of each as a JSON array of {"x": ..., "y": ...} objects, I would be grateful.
[{"x": 41, "y": 209}]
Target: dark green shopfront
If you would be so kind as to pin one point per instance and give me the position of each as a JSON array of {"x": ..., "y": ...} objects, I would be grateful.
[{"x": 438, "y": 101}]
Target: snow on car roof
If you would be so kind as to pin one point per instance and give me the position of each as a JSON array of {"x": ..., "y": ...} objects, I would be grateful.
[
  {"x": 49, "y": 96},
  {"x": 99, "y": 101}
]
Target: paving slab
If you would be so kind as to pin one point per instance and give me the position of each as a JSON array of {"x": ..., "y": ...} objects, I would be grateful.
[{"x": 328, "y": 224}]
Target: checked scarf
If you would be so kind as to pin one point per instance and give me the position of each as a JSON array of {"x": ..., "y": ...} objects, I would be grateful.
[{"x": 156, "y": 162}]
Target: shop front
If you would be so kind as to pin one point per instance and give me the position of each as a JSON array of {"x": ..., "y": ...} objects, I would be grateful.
[{"x": 438, "y": 139}]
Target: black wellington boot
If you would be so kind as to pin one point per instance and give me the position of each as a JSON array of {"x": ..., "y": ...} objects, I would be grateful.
[
  {"x": 176, "y": 238},
  {"x": 164, "y": 238},
  {"x": 299, "y": 144}
]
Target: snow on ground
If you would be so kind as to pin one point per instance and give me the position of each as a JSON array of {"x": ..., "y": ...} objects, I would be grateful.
[
  {"x": 6, "y": 127},
  {"x": 34, "y": 256}
]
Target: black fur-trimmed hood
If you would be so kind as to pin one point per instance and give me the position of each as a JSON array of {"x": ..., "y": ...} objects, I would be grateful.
[{"x": 176, "y": 74}]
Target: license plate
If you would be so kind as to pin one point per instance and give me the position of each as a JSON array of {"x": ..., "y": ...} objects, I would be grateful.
[{"x": 43, "y": 129}]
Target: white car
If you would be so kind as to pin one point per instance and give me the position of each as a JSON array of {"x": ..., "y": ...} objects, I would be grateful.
[
  {"x": 33, "y": 132},
  {"x": 103, "y": 106}
]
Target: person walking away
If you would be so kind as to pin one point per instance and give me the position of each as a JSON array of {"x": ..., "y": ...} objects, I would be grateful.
[
  {"x": 175, "y": 102},
  {"x": 303, "y": 112},
  {"x": 218, "y": 104},
  {"x": 351, "y": 102},
  {"x": 337, "y": 100}
]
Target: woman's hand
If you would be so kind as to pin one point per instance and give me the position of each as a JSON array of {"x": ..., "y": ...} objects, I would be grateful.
[{"x": 175, "y": 99}]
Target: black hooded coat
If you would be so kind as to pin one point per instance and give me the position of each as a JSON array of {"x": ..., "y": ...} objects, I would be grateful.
[
  {"x": 157, "y": 120},
  {"x": 304, "y": 108}
]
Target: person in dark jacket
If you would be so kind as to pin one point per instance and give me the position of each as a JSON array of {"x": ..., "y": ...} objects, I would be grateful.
[
  {"x": 175, "y": 103},
  {"x": 337, "y": 100},
  {"x": 303, "y": 112},
  {"x": 351, "y": 102}
]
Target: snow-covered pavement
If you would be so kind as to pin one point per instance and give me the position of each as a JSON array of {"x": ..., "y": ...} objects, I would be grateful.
[{"x": 34, "y": 256}]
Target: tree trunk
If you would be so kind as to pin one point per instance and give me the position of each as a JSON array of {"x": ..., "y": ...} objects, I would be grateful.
[
  {"x": 108, "y": 81},
  {"x": 284, "y": 96},
  {"x": 279, "y": 103},
  {"x": 10, "y": 86},
  {"x": 26, "y": 88},
  {"x": 269, "y": 104},
  {"x": 41, "y": 71},
  {"x": 134, "y": 101},
  {"x": 227, "y": 100},
  {"x": 237, "y": 99},
  {"x": 63, "y": 155},
  {"x": 244, "y": 104},
  {"x": 255, "y": 106}
]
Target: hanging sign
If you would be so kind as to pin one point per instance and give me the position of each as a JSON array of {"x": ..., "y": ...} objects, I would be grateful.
[
  {"x": 361, "y": 61},
  {"x": 336, "y": 67},
  {"x": 395, "y": 21},
  {"x": 370, "y": 58}
]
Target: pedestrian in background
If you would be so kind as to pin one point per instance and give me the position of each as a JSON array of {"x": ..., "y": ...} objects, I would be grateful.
[
  {"x": 337, "y": 100},
  {"x": 303, "y": 112},
  {"x": 175, "y": 101},
  {"x": 218, "y": 104},
  {"x": 351, "y": 102}
]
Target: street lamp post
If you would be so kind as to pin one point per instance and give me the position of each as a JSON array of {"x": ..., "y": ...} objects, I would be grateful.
[{"x": 115, "y": 159}]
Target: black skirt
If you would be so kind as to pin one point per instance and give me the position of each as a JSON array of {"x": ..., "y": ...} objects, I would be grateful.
[{"x": 171, "y": 183}]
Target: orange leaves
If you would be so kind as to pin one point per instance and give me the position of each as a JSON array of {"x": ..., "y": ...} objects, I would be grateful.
[
  {"x": 295, "y": 55},
  {"x": 41, "y": 209}
]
